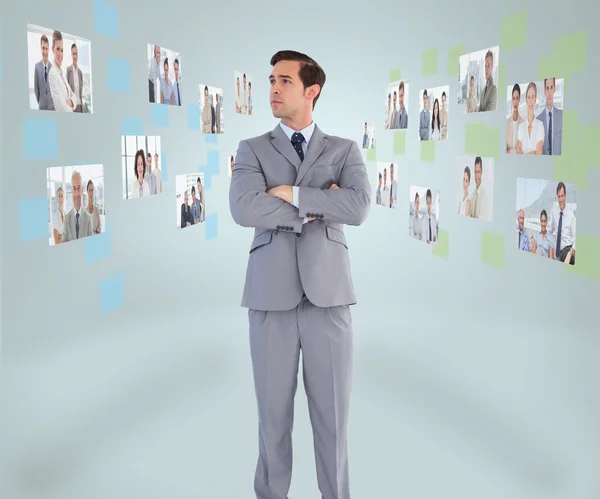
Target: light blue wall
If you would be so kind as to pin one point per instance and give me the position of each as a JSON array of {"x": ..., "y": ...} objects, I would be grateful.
[{"x": 470, "y": 381}]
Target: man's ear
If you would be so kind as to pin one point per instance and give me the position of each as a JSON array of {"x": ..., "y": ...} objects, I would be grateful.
[{"x": 313, "y": 91}]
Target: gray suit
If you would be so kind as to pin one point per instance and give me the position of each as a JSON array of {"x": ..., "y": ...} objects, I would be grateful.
[
  {"x": 42, "y": 87},
  {"x": 489, "y": 96},
  {"x": 70, "y": 225},
  {"x": 71, "y": 82},
  {"x": 299, "y": 289},
  {"x": 557, "y": 116},
  {"x": 424, "y": 124}
]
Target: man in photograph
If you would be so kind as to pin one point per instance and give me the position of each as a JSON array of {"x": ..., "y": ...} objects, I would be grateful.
[
  {"x": 151, "y": 179},
  {"x": 489, "y": 94},
  {"x": 75, "y": 79},
  {"x": 154, "y": 74},
  {"x": 417, "y": 221},
  {"x": 393, "y": 187},
  {"x": 40, "y": 78},
  {"x": 245, "y": 96},
  {"x": 365, "y": 141},
  {"x": 176, "y": 84},
  {"x": 551, "y": 117},
  {"x": 78, "y": 222},
  {"x": 430, "y": 223},
  {"x": 218, "y": 113},
  {"x": 296, "y": 301},
  {"x": 479, "y": 200},
  {"x": 249, "y": 97},
  {"x": 401, "y": 115},
  {"x": 62, "y": 94},
  {"x": 563, "y": 227},
  {"x": 238, "y": 97},
  {"x": 425, "y": 119},
  {"x": 523, "y": 237},
  {"x": 385, "y": 192}
]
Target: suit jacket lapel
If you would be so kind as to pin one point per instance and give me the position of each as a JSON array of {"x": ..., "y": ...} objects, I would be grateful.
[
  {"x": 284, "y": 146},
  {"x": 316, "y": 145}
]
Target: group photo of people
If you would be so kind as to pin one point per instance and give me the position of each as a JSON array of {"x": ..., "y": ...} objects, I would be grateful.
[
  {"x": 243, "y": 93},
  {"x": 164, "y": 76},
  {"x": 387, "y": 186},
  {"x": 475, "y": 187},
  {"x": 424, "y": 214},
  {"x": 211, "y": 109},
  {"x": 60, "y": 71},
  {"x": 478, "y": 80},
  {"x": 75, "y": 202},
  {"x": 189, "y": 190},
  {"x": 368, "y": 136},
  {"x": 396, "y": 106},
  {"x": 433, "y": 113},
  {"x": 546, "y": 214},
  {"x": 534, "y": 116},
  {"x": 140, "y": 162}
]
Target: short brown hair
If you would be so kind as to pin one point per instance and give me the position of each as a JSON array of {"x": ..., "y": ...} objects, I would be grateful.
[
  {"x": 44, "y": 39},
  {"x": 56, "y": 37},
  {"x": 310, "y": 72}
]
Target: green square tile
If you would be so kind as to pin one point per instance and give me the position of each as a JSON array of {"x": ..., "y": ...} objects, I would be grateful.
[
  {"x": 428, "y": 151},
  {"x": 395, "y": 75},
  {"x": 442, "y": 248},
  {"x": 454, "y": 54},
  {"x": 400, "y": 142},
  {"x": 569, "y": 56},
  {"x": 430, "y": 61},
  {"x": 482, "y": 141},
  {"x": 371, "y": 155},
  {"x": 492, "y": 249},
  {"x": 501, "y": 81},
  {"x": 587, "y": 263},
  {"x": 514, "y": 31}
]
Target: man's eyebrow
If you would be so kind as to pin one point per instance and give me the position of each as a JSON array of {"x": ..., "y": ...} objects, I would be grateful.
[{"x": 281, "y": 76}]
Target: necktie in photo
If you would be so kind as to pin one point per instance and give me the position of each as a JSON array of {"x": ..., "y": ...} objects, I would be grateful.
[
  {"x": 550, "y": 134},
  {"x": 559, "y": 235},
  {"x": 46, "y": 74},
  {"x": 77, "y": 225},
  {"x": 297, "y": 140},
  {"x": 178, "y": 94},
  {"x": 430, "y": 238}
]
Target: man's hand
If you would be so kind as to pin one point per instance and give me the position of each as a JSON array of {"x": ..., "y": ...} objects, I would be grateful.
[
  {"x": 334, "y": 186},
  {"x": 283, "y": 192}
]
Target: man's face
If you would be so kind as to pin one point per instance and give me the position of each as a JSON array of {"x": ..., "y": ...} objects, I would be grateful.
[
  {"x": 488, "y": 68},
  {"x": 176, "y": 69},
  {"x": 76, "y": 191},
  {"x": 550, "y": 92},
  {"x": 401, "y": 97},
  {"x": 57, "y": 50},
  {"x": 74, "y": 56},
  {"x": 428, "y": 202},
  {"x": 521, "y": 219},
  {"x": 157, "y": 53},
  {"x": 193, "y": 196},
  {"x": 478, "y": 175},
  {"x": 149, "y": 163},
  {"x": 562, "y": 198},
  {"x": 391, "y": 173},
  {"x": 45, "y": 52},
  {"x": 394, "y": 100},
  {"x": 287, "y": 93}
]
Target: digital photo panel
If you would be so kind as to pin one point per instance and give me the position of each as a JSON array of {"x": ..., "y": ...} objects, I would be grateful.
[
  {"x": 60, "y": 71},
  {"x": 164, "y": 75},
  {"x": 546, "y": 214},
  {"x": 433, "y": 113},
  {"x": 368, "y": 136},
  {"x": 211, "y": 109},
  {"x": 386, "y": 193},
  {"x": 230, "y": 166},
  {"x": 478, "y": 80},
  {"x": 534, "y": 117},
  {"x": 243, "y": 93},
  {"x": 75, "y": 202},
  {"x": 424, "y": 214},
  {"x": 396, "y": 106},
  {"x": 189, "y": 192},
  {"x": 140, "y": 164},
  {"x": 474, "y": 187}
]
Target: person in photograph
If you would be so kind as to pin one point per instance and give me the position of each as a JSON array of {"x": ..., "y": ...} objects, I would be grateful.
[
  {"x": 424, "y": 118},
  {"x": 238, "y": 97},
  {"x": 58, "y": 217},
  {"x": 429, "y": 224},
  {"x": 417, "y": 221},
  {"x": 551, "y": 117},
  {"x": 296, "y": 302},
  {"x": 513, "y": 122},
  {"x": 140, "y": 187},
  {"x": 563, "y": 227},
  {"x": 436, "y": 128},
  {"x": 489, "y": 94},
  {"x": 206, "y": 113},
  {"x": 393, "y": 187},
  {"x": 158, "y": 174},
  {"x": 394, "y": 117},
  {"x": 523, "y": 241},
  {"x": 372, "y": 144},
  {"x": 530, "y": 139},
  {"x": 41, "y": 87},
  {"x": 385, "y": 193},
  {"x": 186, "y": 212},
  {"x": 444, "y": 117},
  {"x": 213, "y": 118},
  {"x": 196, "y": 208},
  {"x": 62, "y": 94},
  {"x": 166, "y": 86},
  {"x": 245, "y": 96},
  {"x": 249, "y": 97},
  {"x": 479, "y": 199},
  {"x": 75, "y": 80},
  {"x": 378, "y": 192},
  {"x": 154, "y": 75},
  {"x": 150, "y": 178},
  {"x": 543, "y": 245},
  {"x": 401, "y": 121},
  {"x": 389, "y": 114},
  {"x": 92, "y": 208},
  {"x": 365, "y": 141},
  {"x": 218, "y": 114},
  {"x": 78, "y": 222},
  {"x": 472, "y": 104},
  {"x": 176, "y": 84},
  {"x": 200, "y": 191},
  {"x": 464, "y": 207}
]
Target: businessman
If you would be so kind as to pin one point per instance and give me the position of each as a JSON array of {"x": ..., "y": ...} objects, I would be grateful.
[
  {"x": 551, "y": 117},
  {"x": 298, "y": 187},
  {"x": 78, "y": 222},
  {"x": 489, "y": 94},
  {"x": 75, "y": 80},
  {"x": 40, "y": 79}
]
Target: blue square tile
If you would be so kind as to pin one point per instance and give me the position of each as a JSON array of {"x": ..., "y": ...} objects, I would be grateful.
[
  {"x": 210, "y": 138},
  {"x": 159, "y": 114},
  {"x": 132, "y": 126},
  {"x": 163, "y": 167},
  {"x": 106, "y": 18},
  {"x": 112, "y": 293},
  {"x": 212, "y": 226},
  {"x": 99, "y": 246},
  {"x": 194, "y": 116},
  {"x": 33, "y": 219},
  {"x": 119, "y": 75},
  {"x": 40, "y": 139}
]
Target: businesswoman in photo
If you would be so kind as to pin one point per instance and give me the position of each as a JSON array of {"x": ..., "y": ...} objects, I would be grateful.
[
  {"x": 464, "y": 207},
  {"x": 530, "y": 138},
  {"x": 140, "y": 187},
  {"x": 514, "y": 121},
  {"x": 58, "y": 217},
  {"x": 436, "y": 131},
  {"x": 543, "y": 244}
]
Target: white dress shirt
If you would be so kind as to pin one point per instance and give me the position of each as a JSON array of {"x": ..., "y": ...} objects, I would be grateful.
[{"x": 568, "y": 229}]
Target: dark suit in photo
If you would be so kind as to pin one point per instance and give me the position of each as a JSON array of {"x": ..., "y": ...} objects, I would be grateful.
[{"x": 42, "y": 87}]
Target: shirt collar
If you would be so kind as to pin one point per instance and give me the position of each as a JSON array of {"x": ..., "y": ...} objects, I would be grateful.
[{"x": 306, "y": 132}]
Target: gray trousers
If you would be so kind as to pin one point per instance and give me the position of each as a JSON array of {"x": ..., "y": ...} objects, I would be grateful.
[{"x": 325, "y": 337}]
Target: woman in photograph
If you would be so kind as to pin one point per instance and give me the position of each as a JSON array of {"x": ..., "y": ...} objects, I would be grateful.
[
  {"x": 140, "y": 187},
  {"x": 464, "y": 207},
  {"x": 201, "y": 198},
  {"x": 530, "y": 139},
  {"x": 92, "y": 209},
  {"x": 444, "y": 117},
  {"x": 543, "y": 244},
  {"x": 166, "y": 87},
  {"x": 390, "y": 114},
  {"x": 472, "y": 104},
  {"x": 58, "y": 217},
  {"x": 514, "y": 121},
  {"x": 206, "y": 116},
  {"x": 435, "y": 121}
]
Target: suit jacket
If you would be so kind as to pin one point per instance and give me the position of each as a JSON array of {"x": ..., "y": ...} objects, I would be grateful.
[
  {"x": 489, "y": 96},
  {"x": 424, "y": 124},
  {"x": 70, "y": 228},
  {"x": 41, "y": 87},
  {"x": 186, "y": 215},
  {"x": 557, "y": 116},
  {"x": 401, "y": 119},
  {"x": 288, "y": 258},
  {"x": 71, "y": 82},
  {"x": 60, "y": 89}
]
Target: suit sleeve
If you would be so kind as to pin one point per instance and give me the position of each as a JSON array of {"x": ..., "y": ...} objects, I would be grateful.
[
  {"x": 36, "y": 85},
  {"x": 182, "y": 217},
  {"x": 493, "y": 98},
  {"x": 249, "y": 203},
  {"x": 350, "y": 204}
]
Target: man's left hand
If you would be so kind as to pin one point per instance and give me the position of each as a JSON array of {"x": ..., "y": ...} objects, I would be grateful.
[{"x": 283, "y": 192}]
